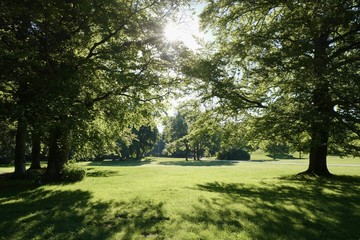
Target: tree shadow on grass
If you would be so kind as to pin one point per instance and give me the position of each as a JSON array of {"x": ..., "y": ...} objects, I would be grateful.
[
  {"x": 121, "y": 163},
  {"x": 101, "y": 173},
  {"x": 43, "y": 214},
  {"x": 203, "y": 163},
  {"x": 291, "y": 209},
  {"x": 281, "y": 156}
]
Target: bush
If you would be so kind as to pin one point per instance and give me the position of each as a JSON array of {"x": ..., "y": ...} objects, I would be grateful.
[
  {"x": 35, "y": 174},
  {"x": 72, "y": 172},
  {"x": 233, "y": 154}
]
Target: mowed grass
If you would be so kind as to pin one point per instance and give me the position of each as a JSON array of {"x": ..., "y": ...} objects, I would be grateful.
[{"x": 166, "y": 198}]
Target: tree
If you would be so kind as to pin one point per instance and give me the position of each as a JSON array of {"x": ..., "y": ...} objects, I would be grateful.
[
  {"x": 158, "y": 147},
  {"x": 197, "y": 132},
  {"x": 235, "y": 142},
  {"x": 35, "y": 150},
  {"x": 175, "y": 130},
  {"x": 276, "y": 150},
  {"x": 204, "y": 132},
  {"x": 67, "y": 58},
  {"x": 143, "y": 141},
  {"x": 7, "y": 143},
  {"x": 16, "y": 74},
  {"x": 291, "y": 65}
]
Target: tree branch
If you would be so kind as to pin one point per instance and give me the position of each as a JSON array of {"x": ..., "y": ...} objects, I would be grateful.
[{"x": 342, "y": 36}]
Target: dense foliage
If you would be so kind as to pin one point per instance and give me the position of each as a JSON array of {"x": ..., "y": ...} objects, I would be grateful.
[
  {"x": 141, "y": 143},
  {"x": 289, "y": 68},
  {"x": 233, "y": 154},
  {"x": 72, "y": 173},
  {"x": 277, "y": 150},
  {"x": 77, "y": 73}
]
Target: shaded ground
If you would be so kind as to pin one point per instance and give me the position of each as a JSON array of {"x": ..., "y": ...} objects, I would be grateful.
[
  {"x": 204, "y": 163},
  {"x": 73, "y": 215},
  {"x": 120, "y": 163},
  {"x": 311, "y": 209}
]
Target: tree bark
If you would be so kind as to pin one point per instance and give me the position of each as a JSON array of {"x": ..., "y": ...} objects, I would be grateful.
[
  {"x": 320, "y": 125},
  {"x": 318, "y": 153},
  {"x": 58, "y": 153},
  {"x": 35, "y": 150},
  {"x": 20, "y": 164},
  {"x": 198, "y": 152}
]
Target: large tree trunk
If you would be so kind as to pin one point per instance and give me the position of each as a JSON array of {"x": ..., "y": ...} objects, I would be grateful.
[
  {"x": 320, "y": 125},
  {"x": 20, "y": 164},
  {"x": 318, "y": 153},
  {"x": 35, "y": 150},
  {"x": 58, "y": 153},
  {"x": 320, "y": 128}
]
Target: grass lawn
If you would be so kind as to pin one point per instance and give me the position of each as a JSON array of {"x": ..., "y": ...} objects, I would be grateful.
[{"x": 166, "y": 198}]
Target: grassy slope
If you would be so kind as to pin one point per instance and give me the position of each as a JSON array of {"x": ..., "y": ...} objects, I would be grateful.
[{"x": 172, "y": 199}]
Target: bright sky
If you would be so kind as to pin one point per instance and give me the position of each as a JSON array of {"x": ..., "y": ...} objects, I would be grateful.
[{"x": 185, "y": 27}]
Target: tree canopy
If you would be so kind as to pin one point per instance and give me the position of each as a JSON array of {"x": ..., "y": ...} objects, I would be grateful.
[
  {"x": 288, "y": 68},
  {"x": 80, "y": 75},
  {"x": 77, "y": 71}
]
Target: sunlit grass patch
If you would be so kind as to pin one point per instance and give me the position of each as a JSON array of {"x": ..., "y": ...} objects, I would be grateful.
[{"x": 164, "y": 198}]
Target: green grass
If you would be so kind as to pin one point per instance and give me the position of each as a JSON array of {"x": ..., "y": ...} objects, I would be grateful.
[{"x": 165, "y": 198}]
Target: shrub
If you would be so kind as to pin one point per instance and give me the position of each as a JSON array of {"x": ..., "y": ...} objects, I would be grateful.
[
  {"x": 37, "y": 175},
  {"x": 233, "y": 154},
  {"x": 72, "y": 172}
]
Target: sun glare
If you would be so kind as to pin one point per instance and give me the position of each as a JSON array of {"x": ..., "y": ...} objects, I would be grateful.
[
  {"x": 185, "y": 31},
  {"x": 173, "y": 33}
]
